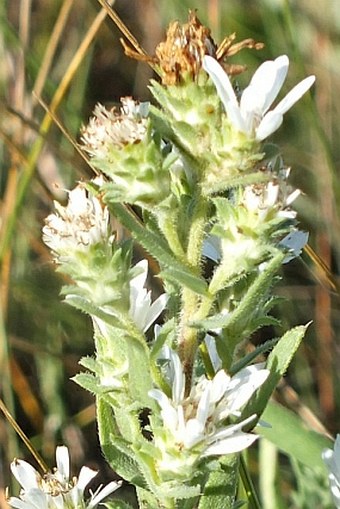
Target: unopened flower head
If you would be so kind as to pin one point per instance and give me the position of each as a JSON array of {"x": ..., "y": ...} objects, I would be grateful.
[
  {"x": 109, "y": 129},
  {"x": 83, "y": 223},
  {"x": 124, "y": 147},
  {"x": 251, "y": 114},
  {"x": 56, "y": 490},
  {"x": 252, "y": 222},
  {"x": 195, "y": 426},
  {"x": 332, "y": 460}
]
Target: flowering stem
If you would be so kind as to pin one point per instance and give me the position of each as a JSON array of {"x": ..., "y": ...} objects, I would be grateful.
[
  {"x": 190, "y": 300},
  {"x": 196, "y": 234}
]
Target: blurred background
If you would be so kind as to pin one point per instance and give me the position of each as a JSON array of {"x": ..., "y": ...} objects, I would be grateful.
[{"x": 70, "y": 55}]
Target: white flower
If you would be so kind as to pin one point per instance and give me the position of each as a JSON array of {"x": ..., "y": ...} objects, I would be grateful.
[
  {"x": 141, "y": 310},
  {"x": 56, "y": 490},
  {"x": 332, "y": 460},
  {"x": 264, "y": 199},
  {"x": 79, "y": 225},
  {"x": 251, "y": 115},
  {"x": 109, "y": 129},
  {"x": 198, "y": 421}
]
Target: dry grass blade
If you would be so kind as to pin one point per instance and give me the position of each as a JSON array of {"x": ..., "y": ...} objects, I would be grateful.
[
  {"x": 23, "y": 437},
  {"x": 65, "y": 132},
  {"x": 322, "y": 272},
  {"x": 122, "y": 27},
  {"x": 52, "y": 46}
]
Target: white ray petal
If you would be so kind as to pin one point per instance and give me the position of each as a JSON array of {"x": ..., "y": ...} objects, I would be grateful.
[
  {"x": 156, "y": 308},
  {"x": 269, "y": 124},
  {"x": 63, "y": 462},
  {"x": 100, "y": 494},
  {"x": 235, "y": 443},
  {"x": 86, "y": 475},
  {"x": 25, "y": 474},
  {"x": 268, "y": 80},
  {"x": 294, "y": 95},
  {"x": 225, "y": 90}
]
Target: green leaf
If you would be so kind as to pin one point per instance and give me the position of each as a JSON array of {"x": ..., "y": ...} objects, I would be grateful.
[
  {"x": 84, "y": 305},
  {"x": 167, "y": 332},
  {"x": 221, "y": 487},
  {"x": 157, "y": 246},
  {"x": 185, "y": 278},
  {"x": 263, "y": 321},
  {"x": 117, "y": 452},
  {"x": 277, "y": 362},
  {"x": 292, "y": 436},
  {"x": 251, "y": 356},
  {"x": 140, "y": 381},
  {"x": 88, "y": 363},
  {"x": 180, "y": 491},
  {"x": 146, "y": 499},
  {"x": 88, "y": 382},
  {"x": 117, "y": 504}
]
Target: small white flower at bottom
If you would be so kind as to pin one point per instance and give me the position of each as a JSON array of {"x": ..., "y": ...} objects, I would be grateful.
[
  {"x": 332, "y": 460},
  {"x": 56, "y": 490}
]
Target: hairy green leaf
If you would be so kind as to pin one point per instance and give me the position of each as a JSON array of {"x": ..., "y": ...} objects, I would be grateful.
[
  {"x": 221, "y": 487},
  {"x": 277, "y": 362}
]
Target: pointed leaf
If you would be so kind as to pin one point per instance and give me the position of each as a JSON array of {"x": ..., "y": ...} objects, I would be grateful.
[
  {"x": 146, "y": 499},
  {"x": 167, "y": 332},
  {"x": 251, "y": 356},
  {"x": 139, "y": 373},
  {"x": 84, "y": 305},
  {"x": 88, "y": 382},
  {"x": 186, "y": 279},
  {"x": 117, "y": 452},
  {"x": 277, "y": 362}
]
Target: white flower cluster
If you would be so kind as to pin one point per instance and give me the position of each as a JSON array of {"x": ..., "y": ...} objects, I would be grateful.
[
  {"x": 56, "y": 490},
  {"x": 197, "y": 423},
  {"x": 273, "y": 196},
  {"x": 109, "y": 128},
  {"x": 76, "y": 227}
]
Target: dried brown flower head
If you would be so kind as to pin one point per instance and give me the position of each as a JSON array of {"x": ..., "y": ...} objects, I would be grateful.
[{"x": 180, "y": 56}]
